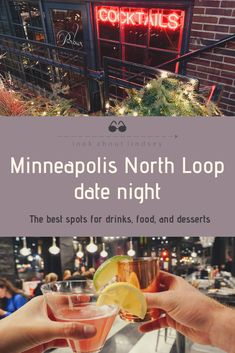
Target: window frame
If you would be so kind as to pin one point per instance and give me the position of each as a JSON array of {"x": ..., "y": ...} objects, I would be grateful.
[
  {"x": 13, "y": 25},
  {"x": 185, "y": 5}
]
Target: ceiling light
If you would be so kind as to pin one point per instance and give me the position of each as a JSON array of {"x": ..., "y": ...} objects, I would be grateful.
[
  {"x": 24, "y": 251},
  {"x": 92, "y": 247},
  {"x": 193, "y": 253},
  {"x": 54, "y": 249},
  {"x": 80, "y": 253},
  {"x": 131, "y": 251},
  {"x": 103, "y": 252}
]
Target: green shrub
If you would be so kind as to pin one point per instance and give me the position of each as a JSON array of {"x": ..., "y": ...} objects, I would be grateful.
[{"x": 165, "y": 96}]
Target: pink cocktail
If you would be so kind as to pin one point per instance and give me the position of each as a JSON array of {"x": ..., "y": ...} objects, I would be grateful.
[{"x": 75, "y": 301}]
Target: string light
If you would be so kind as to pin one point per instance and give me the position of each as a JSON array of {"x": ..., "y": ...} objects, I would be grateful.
[
  {"x": 92, "y": 247},
  {"x": 54, "y": 249},
  {"x": 164, "y": 74},
  {"x": 121, "y": 111}
]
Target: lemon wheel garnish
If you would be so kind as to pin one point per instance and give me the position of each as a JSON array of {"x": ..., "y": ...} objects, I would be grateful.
[
  {"x": 107, "y": 271},
  {"x": 126, "y": 296}
]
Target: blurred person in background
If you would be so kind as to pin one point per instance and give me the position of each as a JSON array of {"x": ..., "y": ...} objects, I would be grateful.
[
  {"x": 89, "y": 274},
  {"x": 67, "y": 274},
  {"x": 76, "y": 276},
  {"x": 51, "y": 277},
  {"x": 92, "y": 270},
  {"x": 37, "y": 290},
  {"x": 228, "y": 264},
  {"x": 11, "y": 297},
  {"x": 83, "y": 270}
]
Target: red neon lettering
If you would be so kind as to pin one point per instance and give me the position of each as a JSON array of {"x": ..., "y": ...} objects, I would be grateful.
[
  {"x": 113, "y": 16},
  {"x": 140, "y": 17},
  {"x": 151, "y": 21},
  {"x": 122, "y": 18},
  {"x": 173, "y": 21},
  {"x": 130, "y": 19},
  {"x": 146, "y": 21},
  {"x": 102, "y": 15},
  {"x": 155, "y": 23},
  {"x": 161, "y": 21},
  {"x": 135, "y": 18}
]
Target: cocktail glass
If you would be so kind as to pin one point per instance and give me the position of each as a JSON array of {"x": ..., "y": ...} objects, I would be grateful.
[
  {"x": 75, "y": 301},
  {"x": 142, "y": 273}
]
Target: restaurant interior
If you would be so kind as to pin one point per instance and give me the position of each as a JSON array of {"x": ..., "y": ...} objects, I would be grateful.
[{"x": 207, "y": 263}]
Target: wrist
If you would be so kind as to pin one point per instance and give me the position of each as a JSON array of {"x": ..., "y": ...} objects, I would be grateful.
[{"x": 222, "y": 328}]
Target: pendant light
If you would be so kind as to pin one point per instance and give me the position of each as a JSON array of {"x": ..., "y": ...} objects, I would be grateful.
[
  {"x": 131, "y": 251},
  {"x": 24, "y": 251},
  {"x": 92, "y": 247},
  {"x": 80, "y": 253},
  {"x": 54, "y": 249},
  {"x": 207, "y": 241},
  {"x": 193, "y": 253},
  {"x": 103, "y": 252}
]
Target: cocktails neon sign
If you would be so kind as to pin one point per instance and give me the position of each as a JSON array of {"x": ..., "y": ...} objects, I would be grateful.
[{"x": 139, "y": 17}]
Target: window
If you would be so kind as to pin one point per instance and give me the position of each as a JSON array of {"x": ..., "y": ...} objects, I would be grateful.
[
  {"x": 26, "y": 20},
  {"x": 4, "y": 25},
  {"x": 141, "y": 35}
]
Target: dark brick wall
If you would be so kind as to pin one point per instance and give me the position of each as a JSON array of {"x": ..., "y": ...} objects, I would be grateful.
[
  {"x": 7, "y": 262},
  {"x": 213, "y": 20}
]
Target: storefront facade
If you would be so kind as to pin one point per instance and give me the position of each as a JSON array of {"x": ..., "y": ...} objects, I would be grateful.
[
  {"x": 143, "y": 32},
  {"x": 72, "y": 38}
]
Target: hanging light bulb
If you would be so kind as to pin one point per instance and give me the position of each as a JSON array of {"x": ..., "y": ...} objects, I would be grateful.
[
  {"x": 207, "y": 241},
  {"x": 131, "y": 251},
  {"x": 92, "y": 247},
  {"x": 25, "y": 251},
  {"x": 54, "y": 249},
  {"x": 103, "y": 252},
  {"x": 75, "y": 244},
  {"x": 193, "y": 253},
  {"x": 80, "y": 253}
]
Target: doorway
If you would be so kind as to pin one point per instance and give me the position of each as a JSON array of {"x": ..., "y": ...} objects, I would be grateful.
[{"x": 67, "y": 29}]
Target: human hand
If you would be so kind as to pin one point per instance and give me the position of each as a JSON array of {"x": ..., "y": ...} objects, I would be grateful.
[
  {"x": 30, "y": 330},
  {"x": 186, "y": 310}
]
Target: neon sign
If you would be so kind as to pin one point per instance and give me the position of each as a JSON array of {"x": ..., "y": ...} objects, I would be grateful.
[{"x": 139, "y": 17}]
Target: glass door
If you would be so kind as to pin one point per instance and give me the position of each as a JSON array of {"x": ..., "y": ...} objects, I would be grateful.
[{"x": 67, "y": 26}]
